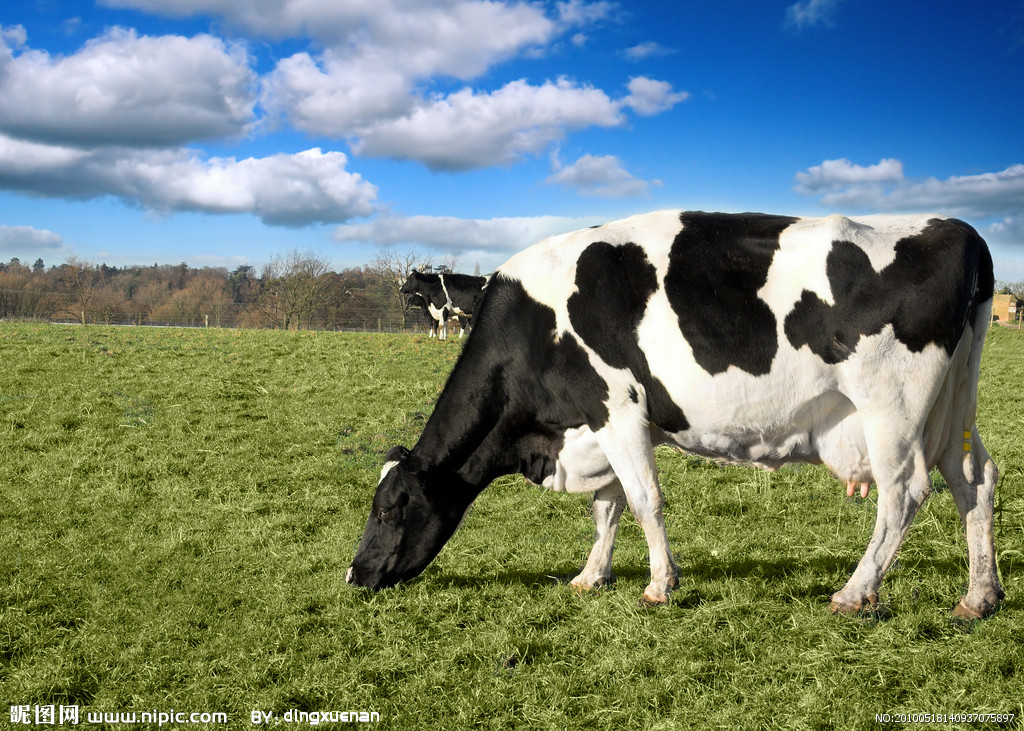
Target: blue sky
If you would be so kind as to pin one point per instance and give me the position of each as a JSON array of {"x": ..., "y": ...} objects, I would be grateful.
[{"x": 221, "y": 133}]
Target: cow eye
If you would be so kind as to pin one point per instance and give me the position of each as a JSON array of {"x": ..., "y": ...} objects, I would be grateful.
[{"x": 386, "y": 516}]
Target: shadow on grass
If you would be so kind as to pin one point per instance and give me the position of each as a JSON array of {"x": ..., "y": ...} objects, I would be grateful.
[
  {"x": 449, "y": 580},
  {"x": 789, "y": 567},
  {"x": 796, "y": 577}
]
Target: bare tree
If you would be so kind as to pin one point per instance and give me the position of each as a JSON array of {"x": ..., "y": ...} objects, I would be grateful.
[
  {"x": 79, "y": 279},
  {"x": 293, "y": 288},
  {"x": 393, "y": 268},
  {"x": 451, "y": 259},
  {"x": 1014, "y": 288}
]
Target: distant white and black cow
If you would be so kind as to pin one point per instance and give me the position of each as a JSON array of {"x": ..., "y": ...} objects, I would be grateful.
[
  {"x": 414, "y": 300},
  {"x": 444, "y": 296},
  {"x": 747, "y": 338}
]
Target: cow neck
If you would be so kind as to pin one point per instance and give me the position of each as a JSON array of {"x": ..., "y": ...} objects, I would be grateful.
[
  {"x": 497, "y": 410},
  {"x": 469, "y": 434}
]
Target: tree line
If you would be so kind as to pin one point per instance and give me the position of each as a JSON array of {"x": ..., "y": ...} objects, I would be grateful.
[{"x": 293, "y": 291}]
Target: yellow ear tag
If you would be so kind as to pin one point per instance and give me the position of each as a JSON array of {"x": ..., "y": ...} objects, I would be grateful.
[{"x": 967, "y": 441}]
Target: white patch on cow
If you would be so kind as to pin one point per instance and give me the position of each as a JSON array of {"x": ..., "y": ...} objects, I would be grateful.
[
  {"x": 799, "y": 265},
  {"x": 547, "y": 270},
  {"x": 441, "y": 320},
  {"x": 448, "y": 299},
  {"x": 388, "y": 466},
  {"x": 444, "y": 288},
  {"x": 581, "y": 464}
]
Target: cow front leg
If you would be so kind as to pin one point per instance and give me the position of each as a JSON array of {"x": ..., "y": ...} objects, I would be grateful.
[
  {"x": 626, "y": 442},
  {"x": 903, "y": 485},
  {"x": 608, "y": 504}
]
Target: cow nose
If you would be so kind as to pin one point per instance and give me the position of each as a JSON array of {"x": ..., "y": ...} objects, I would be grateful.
[{"x": 349, "y": 576}]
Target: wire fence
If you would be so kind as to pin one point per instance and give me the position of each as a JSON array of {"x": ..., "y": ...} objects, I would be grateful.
[
  {"x": 367, "y": 326},
  {"x": 107, "y": 308}
]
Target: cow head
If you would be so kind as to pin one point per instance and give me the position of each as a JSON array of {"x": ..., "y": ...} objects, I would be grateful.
[
  {"x": 407, "y": 527},
  {"x": 412, "y": 284}
]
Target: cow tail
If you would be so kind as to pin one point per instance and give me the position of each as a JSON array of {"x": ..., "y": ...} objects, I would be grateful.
[{"x": 979, "y": 320}]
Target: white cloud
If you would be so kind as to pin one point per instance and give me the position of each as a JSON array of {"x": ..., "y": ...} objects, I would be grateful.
[
  {"x": 811, "y": 14},
  {"x": 125, "y": 89},
  {"x": 470, "y": 129},
  {"x": 275, "y": 19},
  {"x": 115, "y": 117},
  {"x": 18, "y": 239},
  {"x": 648, "y": 97},
  {"x": 598, "y": 176},
  {"x": 454, "y": 29},
  {"x": 333, "y": 97},
  {"x": 289, "y": 190},
  {"x": 458, "y": 38},
  {"x": 1010, "y": 227},
  {"x": 495, "y": 236},
  {"x": 646, "y": 50},
  {"x": 370, "y": 81},
  {"x": 371, "y": 89},
  {"x": 11, "y": 35},
  {"x": 842, "y": 184},
  {"x": 838, "y": 174},
  {"x": 1006, "y": 238},
  {"x": 577, "y": 12}
]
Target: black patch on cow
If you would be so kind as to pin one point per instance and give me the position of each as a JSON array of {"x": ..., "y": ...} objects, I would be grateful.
[
  {"x": 465, "y": 290},
  {"x": 577, "y": 388},
  {"x": 926, "y": 294},
  {"x": 613, "y": 286},
  {"x": 396, "y": 454},
  {"x": 717, "y": 264},
  {"x": 538, "y": 455},
  {"x": 512, "y": 394}
]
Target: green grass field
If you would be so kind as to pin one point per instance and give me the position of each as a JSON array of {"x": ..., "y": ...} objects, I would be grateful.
[{"x": 178, "y": 509}]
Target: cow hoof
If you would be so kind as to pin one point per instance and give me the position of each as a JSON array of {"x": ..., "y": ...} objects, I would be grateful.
[
  {"x": 847, "y": 609},
  {"x": 656, "y": 596},
  {"x": 873, "y": 612},
  {"x": 965, "y": 613},
  {"x": 971, "y": 612},
  {"x": 648, "y": 600},
  {"x": 866, "y": 607},
  {"x": 581, "y": 585}
]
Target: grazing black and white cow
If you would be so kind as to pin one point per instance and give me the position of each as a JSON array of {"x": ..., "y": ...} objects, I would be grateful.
[
  {"x": 747, "y": 338},
  {"x": 446, "y": 296}
]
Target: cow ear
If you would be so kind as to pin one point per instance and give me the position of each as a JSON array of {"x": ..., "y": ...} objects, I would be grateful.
[{"x": 396, "y": 454}]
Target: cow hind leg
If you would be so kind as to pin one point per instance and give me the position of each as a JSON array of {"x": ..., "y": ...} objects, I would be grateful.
[
  {"x": 608, "y": 504},
  {"x": 973, "y": 492},
  {"x": 903, "y": 484}
]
